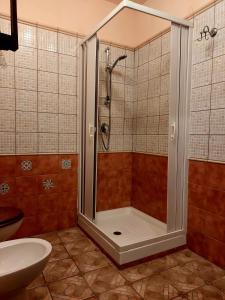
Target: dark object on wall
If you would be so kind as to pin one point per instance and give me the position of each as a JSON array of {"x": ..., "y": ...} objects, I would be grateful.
[{"x": 10, "y": 42}]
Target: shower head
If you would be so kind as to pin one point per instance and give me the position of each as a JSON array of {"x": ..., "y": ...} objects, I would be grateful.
[{"x": 117, "y": 60}]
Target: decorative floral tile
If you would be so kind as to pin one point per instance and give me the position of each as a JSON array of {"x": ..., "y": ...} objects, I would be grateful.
[
  {"x": 66, "y": 164},
  {"x": 84, "y": 245},
  {"x": 90, "y": 261},
  {"x": 182, "y": 279},
  {"x": 120, "y": 293},
  {"x": 70, "y": 235},
  {"x": 48, "y": 184},
  {"x": 60, "y": 269},
  {"x": 4, "y": 188},
  {"x": 104, "y": 279},
  {"x": 26, "y": 165},
  {"x": 155, "y": 287},
  {"x": 58, "y": 252},
  {"x": 70, "y": 288}
]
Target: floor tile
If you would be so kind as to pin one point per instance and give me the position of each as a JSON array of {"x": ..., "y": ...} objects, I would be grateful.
[
  {"x": 72, "y": 234},
  {"x": 70, "y": 289},
  {"x": 90, "y": 261},
  {"x": 185, "y": 256},
  {"x": 60, "y": 269},
  {"x": 51, "y": 237},
  {"x": 137, "y": 272},
  {"x": 182, "y": 279},
  {"x": 155, "y": 288},
  {"x": 39, "y": 281},
  {"x": 120, "y": 293},
  {"x": 104, "y": 279},
  {"x": 147, "y": 269},
  {"x": 220, "y": 284},
  {"x": 39, "y": 293},
  {"x": 58, "y": 252},
  {"x": 84, "y": 245},
  {"x": 161, "y": 264},
  {"x": 206, "y": 293},
  {"x": 205, "y": 270}
]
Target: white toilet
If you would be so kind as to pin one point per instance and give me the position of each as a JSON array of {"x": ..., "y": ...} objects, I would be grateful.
[{"x": 21, "y": 260}]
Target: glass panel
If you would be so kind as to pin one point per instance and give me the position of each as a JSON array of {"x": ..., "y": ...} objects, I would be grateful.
[{"x": 133, "y": 118}]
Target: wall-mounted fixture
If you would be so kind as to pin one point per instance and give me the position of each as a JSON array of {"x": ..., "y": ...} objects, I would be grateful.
[
  {"x": 206, "y": 32},
  {"x": 10, "y": 42}
]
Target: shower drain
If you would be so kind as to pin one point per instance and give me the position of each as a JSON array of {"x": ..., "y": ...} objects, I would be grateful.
[{"x": 117, "y": 232}]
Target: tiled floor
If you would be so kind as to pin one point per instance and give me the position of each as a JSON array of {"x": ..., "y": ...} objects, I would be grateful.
[{"x": 78, "y": 270}]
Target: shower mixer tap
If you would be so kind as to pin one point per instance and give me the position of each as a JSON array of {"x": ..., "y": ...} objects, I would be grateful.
[{"x": 105, "y": 128}]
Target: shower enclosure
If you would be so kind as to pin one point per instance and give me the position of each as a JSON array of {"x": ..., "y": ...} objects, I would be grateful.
[{"x": 134, "y": 128}]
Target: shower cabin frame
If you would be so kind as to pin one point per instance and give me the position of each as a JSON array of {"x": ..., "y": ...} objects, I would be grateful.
[{"x": 180, "y": 84}]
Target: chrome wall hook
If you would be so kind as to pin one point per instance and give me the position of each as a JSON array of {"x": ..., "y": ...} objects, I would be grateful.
[{"x": 206, "y": 32}]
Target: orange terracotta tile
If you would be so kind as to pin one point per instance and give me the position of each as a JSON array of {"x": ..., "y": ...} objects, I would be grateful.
[
  {"x": 149, "y": 185},
  {"x": 67, "y": 182},
  {"x": 67, "y": 219},
  {"x": 8, "y": 201},
  {"x": 7, "y": 165},
  {"x": 29, "y": 227},
  {"x": 207, "y": 247},
  {"x": 67, "y": 201},
  {"x": 48, "y": 164},
  {"x": 27, "y": 203},
  {"x": 26, "y": 186},
  {"x": 114, "y": 180},
  {"x": 48, "y": 203},
  {"x": 47, "y": 222},
  {"x": 206, "y": 198}
]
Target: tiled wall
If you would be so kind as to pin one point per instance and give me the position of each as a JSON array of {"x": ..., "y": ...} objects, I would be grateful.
[
  {"x": 38, "y": 93},
  {"x": 206, "y": 214},
  {"x": 38, "y": 121},
  {"x": 44, "y": 187},
  {"x": 114, "y": 180},
  {"x": 123, "y": 82},
  {"x": 151, "y": 108},
  {"x": 149, "y": 185},
  {"x": 207, "y": 117}
]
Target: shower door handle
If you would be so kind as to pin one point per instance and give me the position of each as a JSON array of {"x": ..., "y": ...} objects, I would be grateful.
[
  {"x": 173, "y": 131},
  {"x": 91, "y": 131}
]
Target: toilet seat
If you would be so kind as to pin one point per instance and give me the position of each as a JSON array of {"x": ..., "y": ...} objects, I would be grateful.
[{"x": 10, "y": 215}]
